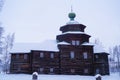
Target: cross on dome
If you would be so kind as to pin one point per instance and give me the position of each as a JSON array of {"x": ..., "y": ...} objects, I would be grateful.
[{"x": 71, "y": 15}]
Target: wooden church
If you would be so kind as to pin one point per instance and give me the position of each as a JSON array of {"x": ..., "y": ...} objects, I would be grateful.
[{"x": 71, "y": 54}]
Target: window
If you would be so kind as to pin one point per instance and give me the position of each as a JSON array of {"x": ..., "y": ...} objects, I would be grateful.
[
  {"x": 72, "y": 54},
  {"x": 41, "y": 69},
  {"x": 97, "y": 71},
  {"x": 96, "y": 56},
  {"x": 52, "y": 55},
  {"x": 75, "y": 42},
  {"x": 41, "y": 55},
  {"x": 19, "y": 68},
  {"x": 17, "y": 56},
  {"x": 51, "y": 70},
  {"x": 85, "y": 70},
  {"x": 85, "y": 55},
  {"x": 72, "y": 70},
  {"x": 25, "y": 56}
]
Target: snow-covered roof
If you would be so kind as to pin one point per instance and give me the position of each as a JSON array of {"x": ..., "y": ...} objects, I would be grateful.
[
  {"x": 87, "y": 44},
  {"x": 47, "y": 45},
  {"x": 74, "y": 32},
  {"x": 99, "y": 49},
  {"x": 21, "y": 47},
  {"x": 72, "y": 22},
  {"x": 63, "y": 43}
]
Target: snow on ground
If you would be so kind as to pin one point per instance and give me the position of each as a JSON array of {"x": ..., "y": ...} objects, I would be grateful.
[{"x": 55, "y": 77}]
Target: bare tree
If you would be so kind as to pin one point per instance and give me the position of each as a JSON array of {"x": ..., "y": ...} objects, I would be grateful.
[
  {"x": 1, "y": 48},
  {"x": 1, "y": 28},
  {"x": 1, "y": 35},
  {"x": 1, "y": 4},
  {"x": 116, "y": 53},
  {"x": 115, "y": 59},
  {"x": 112, "y": 60}
]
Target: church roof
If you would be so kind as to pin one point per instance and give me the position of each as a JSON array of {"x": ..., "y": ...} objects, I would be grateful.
[
  {"x": 50, "y": 45},
  {"x": 47, "y": 45}
]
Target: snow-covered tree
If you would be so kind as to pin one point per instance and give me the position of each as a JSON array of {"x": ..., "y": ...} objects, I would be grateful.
[{"x": 8, "y": 43}]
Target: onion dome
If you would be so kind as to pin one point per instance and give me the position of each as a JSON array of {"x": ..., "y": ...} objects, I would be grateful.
[{"x": 71, "y": 15}]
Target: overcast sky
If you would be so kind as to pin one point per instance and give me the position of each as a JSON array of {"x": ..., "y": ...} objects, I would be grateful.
[{"x": 39, "y": 20}]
